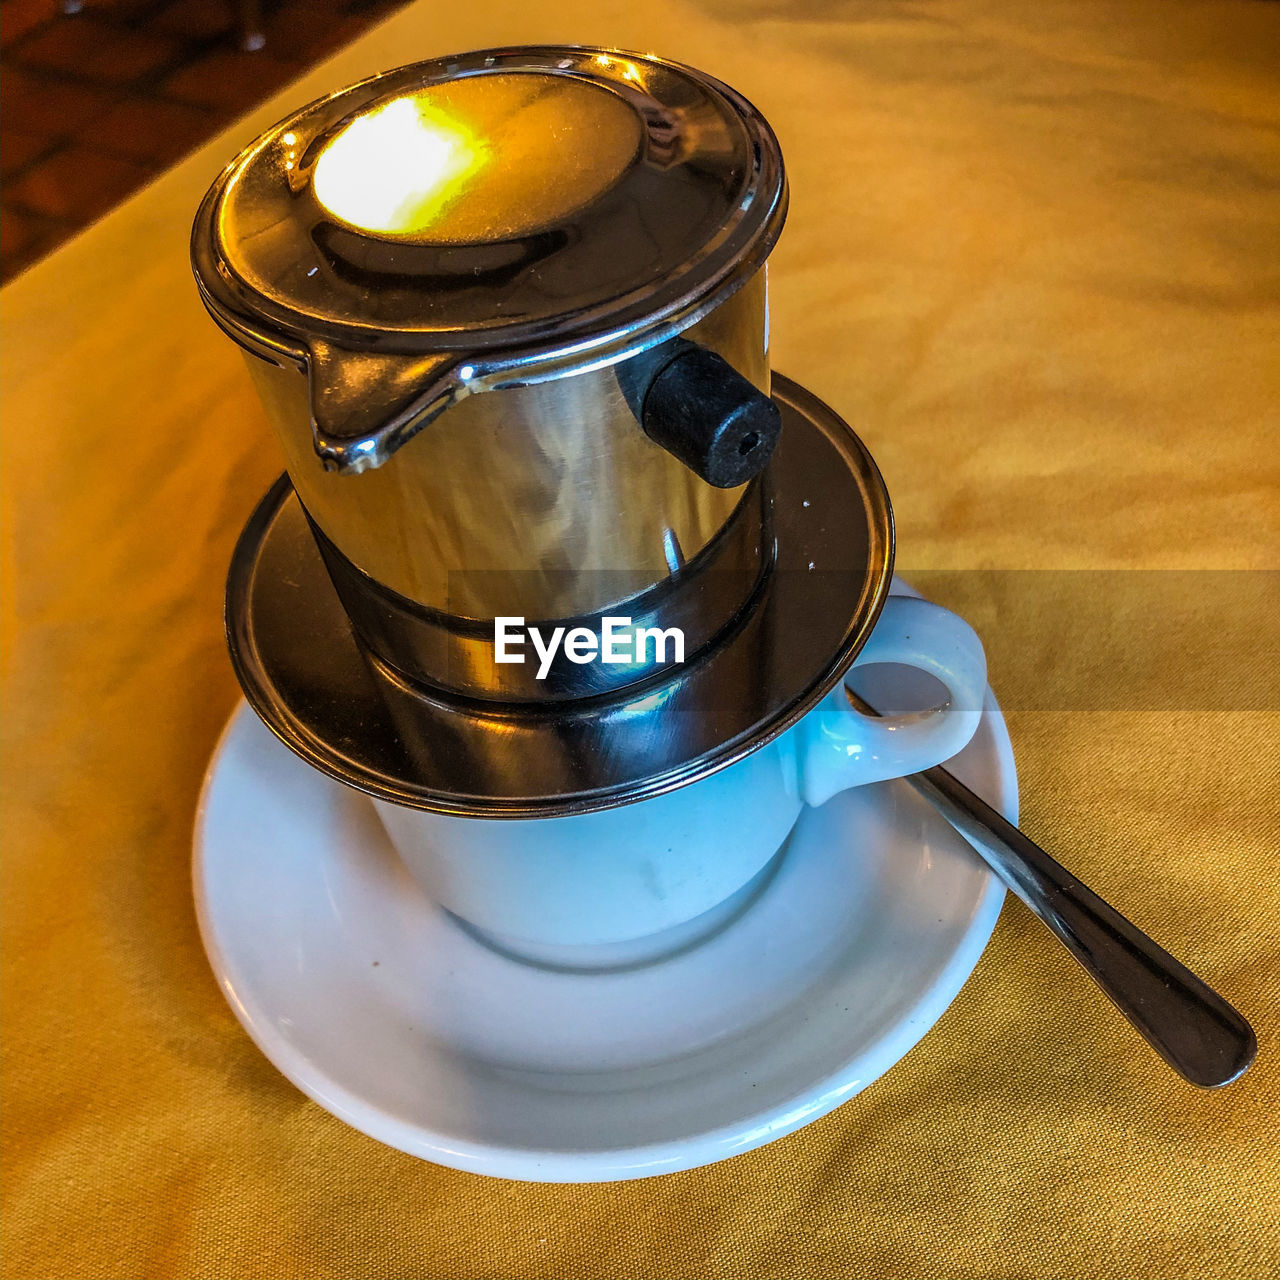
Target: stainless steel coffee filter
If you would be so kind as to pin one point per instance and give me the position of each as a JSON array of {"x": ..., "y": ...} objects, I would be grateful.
[
  {"x": 463, "y": 288},
  {"x": 508, "y": 315}
]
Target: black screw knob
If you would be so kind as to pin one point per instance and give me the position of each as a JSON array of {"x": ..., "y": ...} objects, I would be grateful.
[{"x": 701, "y": 409}]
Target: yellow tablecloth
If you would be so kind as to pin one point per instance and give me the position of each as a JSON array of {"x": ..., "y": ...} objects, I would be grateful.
[{"x": 1033, "y": 257}]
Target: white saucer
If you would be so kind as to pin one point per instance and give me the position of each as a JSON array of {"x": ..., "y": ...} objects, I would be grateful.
[{"x": 387, "y": 1013}]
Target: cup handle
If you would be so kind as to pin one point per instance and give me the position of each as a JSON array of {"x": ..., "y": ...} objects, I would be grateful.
[{"x": 839, "y": 748}]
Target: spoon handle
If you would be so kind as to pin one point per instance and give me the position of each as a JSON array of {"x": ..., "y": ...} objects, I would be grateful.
[{"x": 1186, "y": 1022}]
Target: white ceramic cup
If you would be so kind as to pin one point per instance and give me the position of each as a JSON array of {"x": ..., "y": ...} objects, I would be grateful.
[{"x": 630, "y": 884}]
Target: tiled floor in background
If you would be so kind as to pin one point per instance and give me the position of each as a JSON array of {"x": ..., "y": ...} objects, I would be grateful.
[{"x": 95, "y": 104}]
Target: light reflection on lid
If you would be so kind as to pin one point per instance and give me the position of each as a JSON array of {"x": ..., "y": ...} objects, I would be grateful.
[
  {"x": 392, "y": 169},
  {"x": 479, "y": 160}
]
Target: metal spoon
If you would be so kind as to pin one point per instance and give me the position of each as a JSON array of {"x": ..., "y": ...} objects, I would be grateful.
[{"x": 1187, "y": 1023}]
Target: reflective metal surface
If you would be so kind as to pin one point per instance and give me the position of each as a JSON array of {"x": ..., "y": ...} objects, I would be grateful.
[
  {"x": 518, "y": 501},
  {"x": 352, "y": 717},
  {"x": 1188, "y": 1024},
  {"x": 543, "y": 225},
  {"x": 452, "y": 654},
  {"x": 490, "y": 220},
  {"x": 479, "y": 159}
]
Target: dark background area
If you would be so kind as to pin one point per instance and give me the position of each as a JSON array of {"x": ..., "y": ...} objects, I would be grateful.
[{"x": 96, "y": 103}]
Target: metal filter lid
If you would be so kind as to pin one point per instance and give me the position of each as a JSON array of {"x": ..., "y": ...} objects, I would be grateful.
[{"x": 483, "y": 221}]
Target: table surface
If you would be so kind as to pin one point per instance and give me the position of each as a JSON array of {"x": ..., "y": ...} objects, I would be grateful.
[{"x": 1033, "y": 258}]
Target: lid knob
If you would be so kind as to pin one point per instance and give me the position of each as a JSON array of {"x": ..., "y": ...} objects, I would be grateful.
[{"x": 701, "y": 409}]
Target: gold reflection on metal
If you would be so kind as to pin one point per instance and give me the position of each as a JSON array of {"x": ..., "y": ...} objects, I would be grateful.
[
  {"x": 477, "y": 160},
  {"x": 392, "y": 169}
]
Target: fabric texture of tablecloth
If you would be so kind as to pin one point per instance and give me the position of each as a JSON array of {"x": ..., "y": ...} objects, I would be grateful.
[{"x": 1033, "y": 257}]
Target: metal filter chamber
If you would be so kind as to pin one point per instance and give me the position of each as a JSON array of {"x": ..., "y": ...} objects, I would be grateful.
[
  {"x": 483, "y": 300},
  {"x": 507, "y": 313}
]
